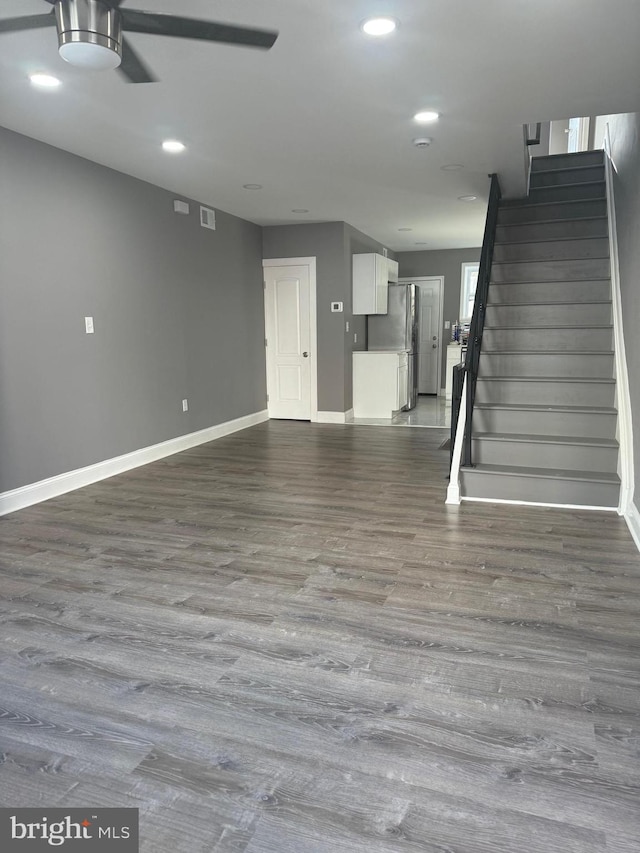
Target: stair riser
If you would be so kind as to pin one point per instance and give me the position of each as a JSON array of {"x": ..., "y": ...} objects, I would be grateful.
[
  {"x": 567, "y": 161},
  {"x": 553, "y": 250},
  {"x": 545, "y": 393},
  {"x": 580, "y": 424},
  {"x": 562, "y": 229},
  {"x": 580, "y": 365},
  {"x": 573, "y": 270},
  {"x": 567, "y": 193},
  {"x": 538, "y": 489},
  {"x": 571, "y": 316},
  {"x": 526, "y": 213},
  {"x": 554, "y": 340},
  {"x": 558, "y": 177},
  {"x": 533, "y": 454},
  {"x": 546, "y": 292}
]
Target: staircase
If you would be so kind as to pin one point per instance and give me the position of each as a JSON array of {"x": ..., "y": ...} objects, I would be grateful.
[{"x": 544, "y": 422}]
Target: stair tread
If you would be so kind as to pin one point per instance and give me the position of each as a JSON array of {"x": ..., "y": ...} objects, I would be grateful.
[
  {"x": 569, "y": 239},
  {"x": 602, "y": 216},
  {"x": 533, "y": 407},
  {"x": 520, "y": 328},
  {"x": 546, "y": 473},
  {"x": 546, "y": 352},
  {"x": 579, "y": 167},
  {"x": 511, "y": 204},
  {"x": 571, "y": 302},
  {"x": 551, "y": 260},
  {"x": 572, "y": 379},
  {"x": 547, "y": 439}
]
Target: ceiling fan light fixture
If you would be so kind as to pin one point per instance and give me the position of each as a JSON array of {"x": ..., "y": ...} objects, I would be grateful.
[
  {"x": 89, "y": 55},
  {"x": 379, "y": 26},
  {"x": 89, "y": 34}
]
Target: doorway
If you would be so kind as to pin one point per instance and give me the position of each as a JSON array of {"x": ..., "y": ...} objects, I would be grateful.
[
  {"x": 429, "y": 332},
  {"x": 291, "y": 338}
]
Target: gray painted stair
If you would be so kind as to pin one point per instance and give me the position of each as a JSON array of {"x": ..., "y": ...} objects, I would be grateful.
[{"x": 544, "y": 423}]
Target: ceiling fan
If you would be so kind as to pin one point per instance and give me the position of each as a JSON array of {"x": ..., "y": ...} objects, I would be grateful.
[{"x": 90, "y": 33}]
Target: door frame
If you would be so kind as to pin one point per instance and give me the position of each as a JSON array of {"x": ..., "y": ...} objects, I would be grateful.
[
  {"x": 313, "y": 323},
  {"x": 416, "y": 280}
]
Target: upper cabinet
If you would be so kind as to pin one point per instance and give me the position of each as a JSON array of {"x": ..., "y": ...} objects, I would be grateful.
[{"x": 371, "y": 276}]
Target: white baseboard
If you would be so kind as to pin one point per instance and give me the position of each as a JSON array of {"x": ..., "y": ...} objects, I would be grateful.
[
  {"x": 334, "y": 417},
  {"x": 540, "y": 504},
  {"x": 62, "y": 483},
  {"x": 632, "y": 517}
]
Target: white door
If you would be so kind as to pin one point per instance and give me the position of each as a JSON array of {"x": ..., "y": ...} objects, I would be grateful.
[
  {"x": 429, "y": 348},
  {"x": 288, "y": 341}
]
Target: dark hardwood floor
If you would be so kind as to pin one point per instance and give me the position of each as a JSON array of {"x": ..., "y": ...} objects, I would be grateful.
[{"x": 285, "y": 642}]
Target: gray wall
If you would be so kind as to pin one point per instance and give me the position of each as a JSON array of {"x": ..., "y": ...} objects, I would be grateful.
[
  {"x": 332, "y": 244},
  {"x": 178, "y": 313},
  {"x": 625, "y": 151},
  {"x": 448, "y": 263}
]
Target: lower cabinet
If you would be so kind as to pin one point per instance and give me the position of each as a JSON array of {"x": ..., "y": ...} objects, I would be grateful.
[{"x": 380, "y": 383}]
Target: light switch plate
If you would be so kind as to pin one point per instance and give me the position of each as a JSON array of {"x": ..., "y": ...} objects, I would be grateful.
[
  {"x": 447, "y": 324},
  {"x": 88, "y": 325}
]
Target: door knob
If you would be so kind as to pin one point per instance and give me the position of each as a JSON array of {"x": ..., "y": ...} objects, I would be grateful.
[
  {"x": 305, "y": 355},
  {"x": 434, "y": 338},
  {"x": 434, "y": 346}
]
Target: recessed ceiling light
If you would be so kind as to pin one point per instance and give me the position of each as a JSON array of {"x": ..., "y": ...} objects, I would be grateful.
[
  {"x": 379, "y": 26},
  {"x": 467, "y": 197},
  {"x": 452, "y": 167},
  {"x": 44, "y": 81},
  {"x": 173, "y": 146},
  {"x": 405, "y": 229},
  {"x": 426, "y": 116},
  {"x": 299, "y": 210},
  {"x": 252, "y": 186}
]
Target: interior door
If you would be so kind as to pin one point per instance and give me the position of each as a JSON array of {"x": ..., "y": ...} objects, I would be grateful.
[
  {"x": 288, "y": 340},
  {"x": 430, "y": 326}
]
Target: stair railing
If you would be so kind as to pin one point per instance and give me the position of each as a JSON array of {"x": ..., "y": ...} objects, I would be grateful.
[{"x": 469, "y": 370}]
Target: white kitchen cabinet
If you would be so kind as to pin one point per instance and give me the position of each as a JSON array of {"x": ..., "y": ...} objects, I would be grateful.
[
  {"x": 380, "y": 385},
  {"x": 370, "y": 284}
]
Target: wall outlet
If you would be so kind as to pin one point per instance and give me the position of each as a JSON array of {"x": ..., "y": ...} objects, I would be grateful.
[
  {"x": 447, "y": 324},
  {"x": 355, "y": 338},
  {"x": 185, "y": 405},
  {"x": 88, "y": 325},
  {"x": 337, "y": 307}
]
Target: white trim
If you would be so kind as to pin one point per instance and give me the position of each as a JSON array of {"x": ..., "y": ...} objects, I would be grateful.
[
  {"x": 632, "y": 517},
  {"x": 623, "y": 394},
  {"x": 453, "y": 489},
  {"x": 348, "y": 415},
  {"x": 334, "y": 417},
  {"x": 313, "y": 321},
  {"x": 539, "y": 503},
  {"x": 62, "y": 483}
]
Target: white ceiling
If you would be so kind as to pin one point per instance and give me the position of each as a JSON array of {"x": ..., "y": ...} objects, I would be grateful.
[{"x": 324, "y": 119}]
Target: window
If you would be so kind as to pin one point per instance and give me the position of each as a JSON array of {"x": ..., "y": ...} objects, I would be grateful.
[{"x": 469, "y": 281}]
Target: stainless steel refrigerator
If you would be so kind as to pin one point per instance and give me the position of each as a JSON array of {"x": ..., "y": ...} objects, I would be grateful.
[{"x": 397, "y": 331}]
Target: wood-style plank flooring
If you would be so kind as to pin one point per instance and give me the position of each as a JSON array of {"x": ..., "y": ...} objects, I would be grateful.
[{"x": 285, "y": 642}]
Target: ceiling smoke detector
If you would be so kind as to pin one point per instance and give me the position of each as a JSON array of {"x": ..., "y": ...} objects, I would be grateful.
[{"x": 423, "y": 141}]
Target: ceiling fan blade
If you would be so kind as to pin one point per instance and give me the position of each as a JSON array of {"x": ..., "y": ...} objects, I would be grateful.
[
  {"x": 133, "y": 67},
  {"x": 135, "y": 21},
  {"x": 27, "y": 22}
]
